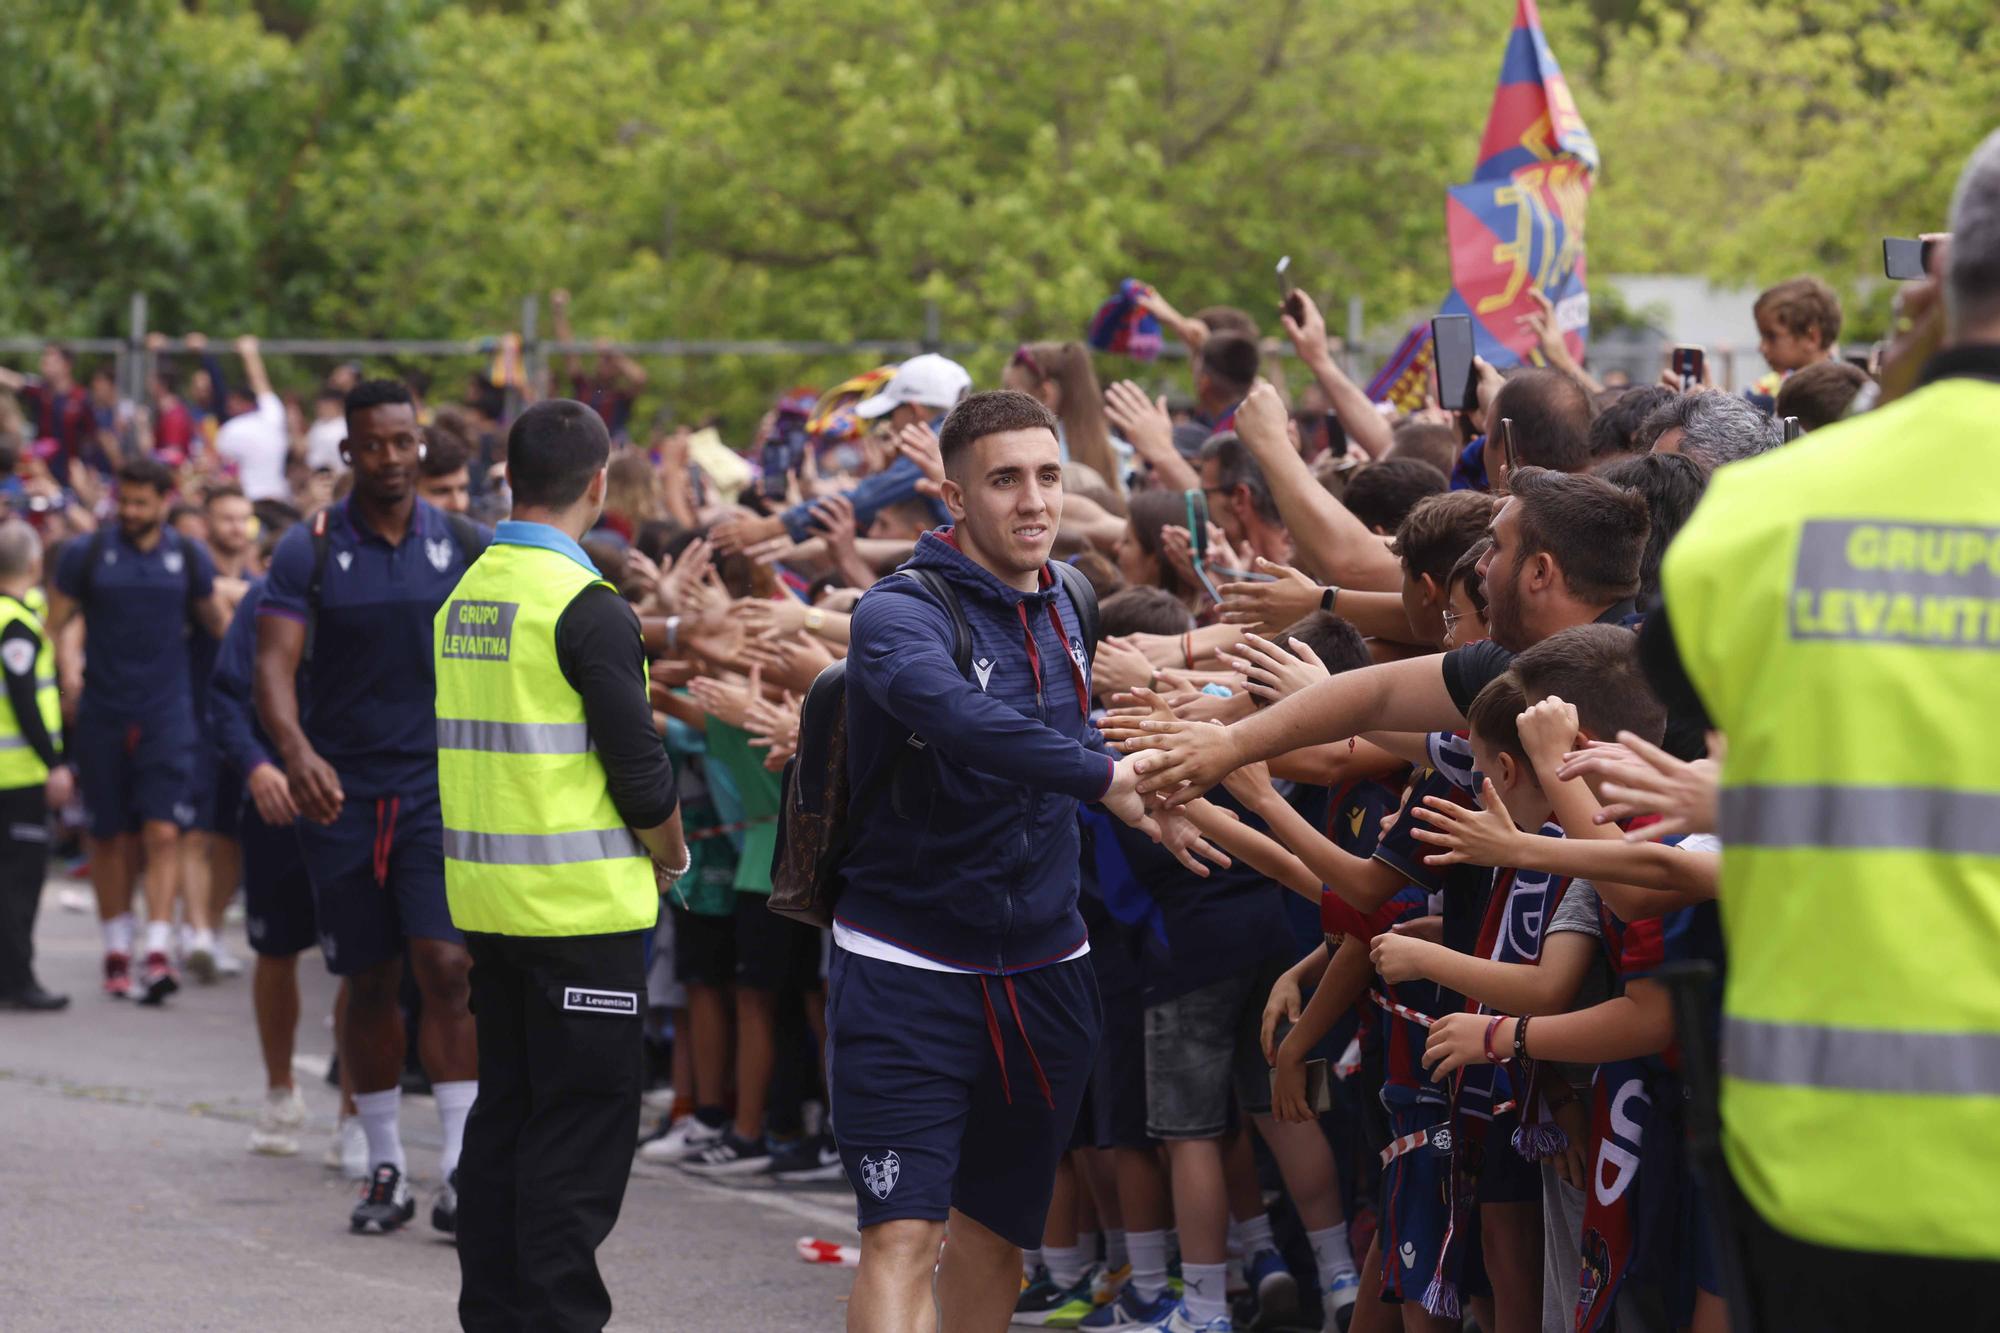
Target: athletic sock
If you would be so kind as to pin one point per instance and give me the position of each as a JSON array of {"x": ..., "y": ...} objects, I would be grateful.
[
  {"x": 1331, "y": 1253},
  {"x": 1205, "y": 1296},
  {"x": 454, "y": 1101},
  {"x": 1149, "y": 1263},
  {"x": 1031, "y": 1262},
  {"x": 1065, "y": 1264},
  {"x": 1117, "y": 1252},
  {"x": 1254, "y": 1233},
  {"x": 379, "y": 1113},
  {"x": 1088, "y": 1243},
  {"x": 118, "y": 933},
  {"x": 159, "y": 937}
]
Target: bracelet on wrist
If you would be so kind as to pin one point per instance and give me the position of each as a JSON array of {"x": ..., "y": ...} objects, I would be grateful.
[
  {"x": 1494, "y": 1026},
  {"x": 1328, "y": 598},
  {"x": 1521, "y": 1037}
]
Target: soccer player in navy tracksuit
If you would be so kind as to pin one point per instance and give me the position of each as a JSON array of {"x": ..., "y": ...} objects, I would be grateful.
[
  {"x": 962, "y": 1015},
  {"x": 140, "y": 587}
]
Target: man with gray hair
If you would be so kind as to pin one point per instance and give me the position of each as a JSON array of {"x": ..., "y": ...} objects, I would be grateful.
[
  {"x": 1711, "y": 428},
  {"x": 1835, "y": 613},
  {"x": 33, "y": 776}
]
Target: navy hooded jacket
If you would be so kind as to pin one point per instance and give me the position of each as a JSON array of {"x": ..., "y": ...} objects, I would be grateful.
[{"x": 969, "y": 855}]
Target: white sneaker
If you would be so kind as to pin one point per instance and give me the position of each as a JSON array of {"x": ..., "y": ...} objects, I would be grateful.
[
  {"x": 1180, "y": 1321},
  {"x": 198, "y": 955},
  {"x": 227, "y": 964},
  {"x": 684, "y": 1140},
  {"x": 347, "y": 1151},
  {"x": 279, "y": 1123},
  {"x": 76, "y": 900}
]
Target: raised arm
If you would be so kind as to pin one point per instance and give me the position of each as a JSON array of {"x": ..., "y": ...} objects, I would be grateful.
[
  {"x": 1358, "y": 417},
  {"x": 1333, "y": 545}
]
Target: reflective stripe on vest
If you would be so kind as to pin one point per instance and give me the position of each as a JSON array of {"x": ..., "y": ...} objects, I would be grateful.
[
  {"x": 1800, "y": 1055},
  {"x": 540, "y": 849},
  {"x": 20, "y": 766},
  {"x": 1862, "y": 818},
  {"x": 457, "y": 733}
]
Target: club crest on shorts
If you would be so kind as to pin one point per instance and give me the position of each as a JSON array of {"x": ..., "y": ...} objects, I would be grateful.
[
  {"x": 440, "y": 554},
  {"x": 880, "y": 1174}
]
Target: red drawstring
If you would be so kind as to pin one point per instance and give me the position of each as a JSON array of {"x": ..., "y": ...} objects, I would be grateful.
[
  {"x": 1041, "y": 1079},
  {"x": 1000, "y": 1046},
  {"x": 993, "y": 1031},
  {"x": 385, "y": 835}
]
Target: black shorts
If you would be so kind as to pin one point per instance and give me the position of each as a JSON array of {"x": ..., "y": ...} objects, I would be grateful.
[
  {"x": 752, "y": 946},
  {"x": 1118, "y": 1085}
]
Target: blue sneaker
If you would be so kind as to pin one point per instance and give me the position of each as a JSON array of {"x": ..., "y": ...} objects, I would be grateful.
[
  {"x": 1338, "y": 1301},
  {"x": 1129, "y": 1311},
  {"x": 1178, "y": 1320},
  {"x": 1277, "y": 1290}
]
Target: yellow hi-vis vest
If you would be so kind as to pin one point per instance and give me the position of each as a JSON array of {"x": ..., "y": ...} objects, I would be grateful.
[
  {"x": 532, "y": 842},
  {"x": 20, "y": 766},
  {"x": 1837, "y": 606}
]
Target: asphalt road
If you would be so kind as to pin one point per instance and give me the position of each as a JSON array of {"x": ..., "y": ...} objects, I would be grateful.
[{"x": 130, "y": 1200}]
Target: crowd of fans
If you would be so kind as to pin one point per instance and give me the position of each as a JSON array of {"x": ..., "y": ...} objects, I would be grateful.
[{"x": 1295, "y": 1085}]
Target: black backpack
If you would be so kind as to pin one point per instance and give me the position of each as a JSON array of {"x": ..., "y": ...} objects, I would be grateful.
[
  {"x": 466, "y": 534},
  {"x": 813, "y": 835}
]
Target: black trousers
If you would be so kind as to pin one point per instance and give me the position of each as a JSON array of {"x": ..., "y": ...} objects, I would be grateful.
[
  {"x": 1795, "y": 1286},
  {"x": 24, "y": 863},
  {"x": 548, "y": 1146}
]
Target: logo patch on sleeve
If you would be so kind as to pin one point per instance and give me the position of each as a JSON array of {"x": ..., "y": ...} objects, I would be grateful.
[
  {"x": 479, "y": 631},
  {"x": 579, "y": 999},
  {"x": 19, "y": 655}
]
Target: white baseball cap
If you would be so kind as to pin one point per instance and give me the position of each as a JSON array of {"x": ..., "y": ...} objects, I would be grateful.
[{"x": 929, "y": 380}]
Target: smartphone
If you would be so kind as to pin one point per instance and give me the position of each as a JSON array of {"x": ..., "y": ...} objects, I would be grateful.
[
  {"x": 1906, "y": 258},
  {"x": 1504, "y": 437},
  {"x": 1451, "y": 336},
  {"x": 1687, "y": 363},
  {"x": 1792, "y": 429},
  {"x": 1242, "y": 575},
  {"x": 1197, "y": 524},
  {"x": 1288, "y": 301},
  {"x": 1319, "y": 1086}
]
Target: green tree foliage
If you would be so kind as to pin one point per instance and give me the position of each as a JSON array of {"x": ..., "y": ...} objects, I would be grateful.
[{"x": 780, "y": 168}]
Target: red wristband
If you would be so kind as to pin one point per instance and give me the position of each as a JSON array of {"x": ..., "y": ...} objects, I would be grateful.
[{"x": 1492, "y": 1028}]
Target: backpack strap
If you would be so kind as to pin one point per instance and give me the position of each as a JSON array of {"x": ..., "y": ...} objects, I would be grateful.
[
  {"x": 92, "y": 553},
  {"x": 1084, "y": 598},
  {"x": 316, "y": 584},
  {"x": 946, "y": 596},
  {"x": 469, "y": 536}
]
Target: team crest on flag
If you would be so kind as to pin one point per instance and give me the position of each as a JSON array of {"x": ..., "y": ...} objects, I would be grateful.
[
  {"x": 880, "y": 1174},
  {"x": 1517, "y": 227},
  {"x": 440, "y": 554}
]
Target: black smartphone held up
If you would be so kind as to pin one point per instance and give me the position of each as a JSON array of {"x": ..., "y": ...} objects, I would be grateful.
[
  {"x": 1906, "y": 258},
  {"x": 1451, "y": 336},
  {"x": 1687, "y": 364},
  {"x": 1288, "y": 295},
  {"x": 1792, "y": 429}
]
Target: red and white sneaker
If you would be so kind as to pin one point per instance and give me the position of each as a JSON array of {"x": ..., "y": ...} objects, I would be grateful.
[
  {"x": 157, "y": 980},
  {"x": 118, "y": 976}
]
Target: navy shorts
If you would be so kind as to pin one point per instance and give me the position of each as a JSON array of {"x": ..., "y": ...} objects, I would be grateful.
[
  {"x": 378, "y": 877},
  {"x": 217, "y": 792},
  {"x": 1118, "y": 1086},
  {"x": 134, "y": 772},
  {"x": 1416, "y": 1201},
  {"x": 927, "y": 1116},
  {"x": 277, "y": 894}
]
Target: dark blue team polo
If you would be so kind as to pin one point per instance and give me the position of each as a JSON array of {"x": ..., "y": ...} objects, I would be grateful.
[
  {"x": 135, "y": 665},
  {"x": 368, "y": 701}
]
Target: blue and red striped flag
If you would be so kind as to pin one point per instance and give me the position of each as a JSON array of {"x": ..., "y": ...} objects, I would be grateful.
[
  {"x": 1405, "y": 378},
  {"x": 1519, "y": 223}
]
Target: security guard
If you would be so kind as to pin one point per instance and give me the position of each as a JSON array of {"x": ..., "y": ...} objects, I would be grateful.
[
  {"x": 1836, "y": 605},
  {"x": 33, "y": 776},
  {"x": 560, "y": 818}
]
